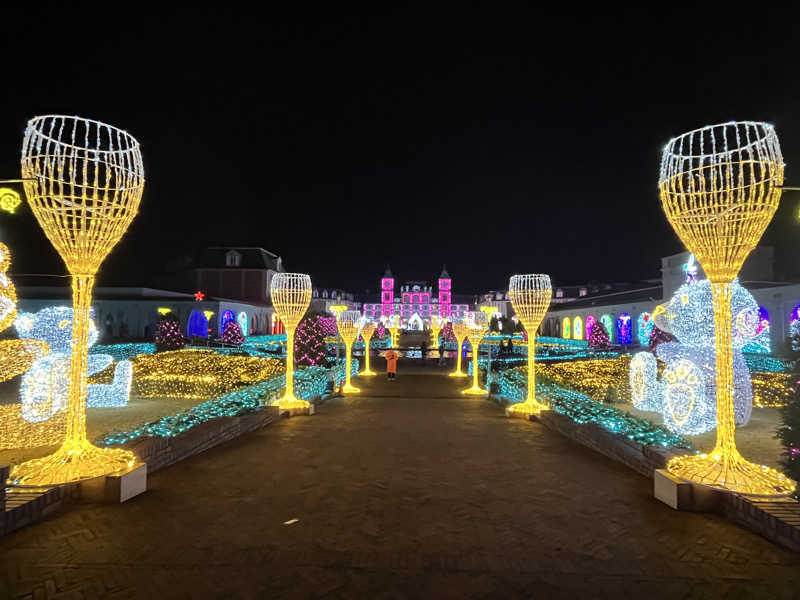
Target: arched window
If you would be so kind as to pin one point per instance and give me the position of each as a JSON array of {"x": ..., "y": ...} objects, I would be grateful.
[
  {"x": 226, "y": 318},
  {"x": 645, "y": 328},
  {"x": 577, "y": 328},
  {"x": 325, "y": 294},
  {"x": 608, "y": 323},
  {"x": 624, "y": 334},
  {"x": 197, "y": 326},
  {"x": 795, "y": 316},
  {"x": 565, "y": 328},
  {"x": 590, "y": 322},
  {"x": 243, "y": 324}
]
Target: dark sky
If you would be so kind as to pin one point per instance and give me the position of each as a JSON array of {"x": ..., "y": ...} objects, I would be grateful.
[{"x": 496, "y": 141}]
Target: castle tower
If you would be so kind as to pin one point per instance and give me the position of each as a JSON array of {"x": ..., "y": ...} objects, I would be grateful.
[
  {"x": 387, "y": 293},
  {"x": 444, "y": 292}
]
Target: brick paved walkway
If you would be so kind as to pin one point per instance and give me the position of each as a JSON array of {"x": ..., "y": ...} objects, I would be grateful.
[{"x": 407, "y": 491}]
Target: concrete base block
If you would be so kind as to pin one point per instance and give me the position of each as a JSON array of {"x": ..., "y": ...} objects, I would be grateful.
[
  {"x": 116, "y": 488},
  {"x": 682, "y": 495}
]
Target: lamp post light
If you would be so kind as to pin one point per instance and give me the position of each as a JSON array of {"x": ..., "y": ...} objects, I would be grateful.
[
  {"x": 530, "y": 296},
  {"x": 291, "y": 295},
  {"x": 84, "y": 181},
  {"x": 719, "y": 187}
]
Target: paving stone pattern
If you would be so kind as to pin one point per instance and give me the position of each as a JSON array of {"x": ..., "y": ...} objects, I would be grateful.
[{"x": 406, "y": 491}]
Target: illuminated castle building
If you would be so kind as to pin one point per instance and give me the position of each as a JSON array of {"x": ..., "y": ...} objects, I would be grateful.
[{"x": 415, "y": 302}]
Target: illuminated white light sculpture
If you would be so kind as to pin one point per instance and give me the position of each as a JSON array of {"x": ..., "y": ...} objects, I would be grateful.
[
  {"x": 291, "y": 295},
  {"x": 460, "y": 332},
  {"x": 530, "y": 296},
  {"x": 477, "y": 324}
]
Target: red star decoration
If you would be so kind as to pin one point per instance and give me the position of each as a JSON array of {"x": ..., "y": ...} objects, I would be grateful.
[{"x": 198, "y": 295}]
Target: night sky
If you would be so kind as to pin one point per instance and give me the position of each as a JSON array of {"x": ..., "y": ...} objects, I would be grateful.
[{"x": 495, "y": 141}]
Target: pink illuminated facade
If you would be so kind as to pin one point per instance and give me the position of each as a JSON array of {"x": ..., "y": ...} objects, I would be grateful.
[{"x": 415, "y": 298}]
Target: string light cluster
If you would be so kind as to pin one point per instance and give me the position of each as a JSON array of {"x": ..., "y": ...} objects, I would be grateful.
[
  {"x": 772, "y": 390},
  {"x": 9, "y": 200},
  {"x": 720, "y": 186},
  {"x": 123, "y": 351},
  {"x": 197, "y": 373},
  {"x": 591, "y": 377},
  {"x": 310, "y": 383},
  {"x": 512, "y": 385}
]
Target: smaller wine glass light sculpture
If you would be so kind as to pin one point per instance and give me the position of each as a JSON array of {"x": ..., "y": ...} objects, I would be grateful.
[
  {"x": 530, "y": 296},
  {"x": 460, "y": 332},
  {"x": 436, "y": 326},
  {"x": 349, "y": 323},
  {"x": 367, "y": 329},
  {"x": 291, "y": 295},
  {"x": 477, "y": 324},
  {"x": 393, "y": 327}
]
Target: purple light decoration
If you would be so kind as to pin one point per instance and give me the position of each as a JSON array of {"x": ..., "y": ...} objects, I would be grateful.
[
  {"x": 624, "y": 329},
  {"x": 763, "y": 319},
  {"x": 796, "y": 314},
  {"x": 329, "y": 325},
  {"x": 226, "y": 318},
  {"x": 590, "y": 322}
]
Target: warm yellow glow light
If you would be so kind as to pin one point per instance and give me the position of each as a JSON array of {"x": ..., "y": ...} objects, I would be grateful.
[
  {"x": 367, "y": 329},
  {"x": 84, "y": 181},
  {"x": 530, "y": 296},
  {"x": 291, "y": 295},
  {"x": 349, "y": 323},
  {"x": 393, "y": 327},
  {"x": 720, "y": 187},
  {"x": 437, "y": 323},
  {"x": 337, "y": 309},
  {"x": 208, "y": 314},
  {"x": 163, "y": 310},
  {"x": 460, "y": 332},
  {"x": 477, "y": 324},
  {"x": 9, "y": 200}
]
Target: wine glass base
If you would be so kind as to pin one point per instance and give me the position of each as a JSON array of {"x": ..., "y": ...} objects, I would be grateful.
[
  {"x": 474, "y": 391},
  {"x": 292, "y": 403},
  {"x": 525, "y": 409},
  {"x": 350, "y": 389},
  {"x": 367, "y": 374},
  {"x": 731, "y": 474},
  {"x": 73, "y": 461},
  {"x": 457, "y": 374}
]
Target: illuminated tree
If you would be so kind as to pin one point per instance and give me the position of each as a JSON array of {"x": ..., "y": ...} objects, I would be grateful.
[
  {"x": 168, "y": 333},
  {"x": 598, "y": 339},
  {"x": 309, "y": 341},
  {"x": 232, "y": 334},
  {"x": 447, "y": 334}
]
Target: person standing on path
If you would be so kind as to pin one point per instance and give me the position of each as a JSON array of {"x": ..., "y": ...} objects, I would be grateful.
[{"x": 391, "y": 364}]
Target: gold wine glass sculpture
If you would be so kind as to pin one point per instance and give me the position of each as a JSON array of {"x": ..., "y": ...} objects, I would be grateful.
[
  {"x": 349, "y": 323},
  {"x": 719, "y": 187},
  {"x": 84, "y": 181},
  {"x": 367, "y": 329},
  {"x": 530, "y": 296},
  {"x": 393, "y": 327},
  {"x": 477, "y": 323},
  {"x": 291, "y": 295},
  {"x": 436, "y": 326},
  {"x": 460, "y": 332}
]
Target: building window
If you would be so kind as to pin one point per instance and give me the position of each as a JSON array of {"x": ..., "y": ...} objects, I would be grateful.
[
  {"x": 233, "y": 259},
  {"x": 559, "y": 293},
  {"x": 582, "y": 292}
]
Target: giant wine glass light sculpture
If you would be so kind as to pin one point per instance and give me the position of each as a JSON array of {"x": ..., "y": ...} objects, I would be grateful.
[
  {"x": 84, "y": 181},
  {"x": 291, "y": 295},
  {"x": 719, "y": 187},
  {"x": 367, "y": 329},
  {"x": 436, "y": 326},
  {"x": 477, "y": 323},
  {"x": 349, "y": 323},
  {"x": 530, "y": 296},
  {"x": 460, "y": 332}
]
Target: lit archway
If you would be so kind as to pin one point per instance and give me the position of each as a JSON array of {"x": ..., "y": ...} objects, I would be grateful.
[
  {"x": 645, "y": 328},
  {"x": 608, "y": 323},
  {"x": 243, "y": 323},
  {"x": 590, "y": 323},
  {"x": 197, "y": 325},
  {"x": 226, "y": 318},
  {"x": 577, "y": 328},
  {"x": 566, "y": 328},
  {"x": 624, "y": 329}
]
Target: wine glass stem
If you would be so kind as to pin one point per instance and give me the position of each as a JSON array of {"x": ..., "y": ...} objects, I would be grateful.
[
  {"x": 726, "y": 425},
  {"x": 531, "y": 369},
  {"x": 475, "y": 344},
  {"x": 76, "y": 407},
  {"x": 348, "y": 352},
  {"x": 290, "y": 361},
  {"x": 366, "y": 354},
  {"x": 458, "y": 353}
]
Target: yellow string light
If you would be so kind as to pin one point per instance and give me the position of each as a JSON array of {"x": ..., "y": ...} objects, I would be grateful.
[
  {"x": 291, "y": 295},
  {"x": 393, "y": 327},
  {"x": 530, "y": 296},
  {"x": 349, "y": 323},
  {"x": 83, "y": 181},
  {"x": 9, "y": 200},
  {"x": 477, "y": 324},
  {"x": 367, "y": 330},
  {"x": 460, "y": 332},
  {"x": 437, "y": 323},
  {"x": 719, "y": 187}
]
